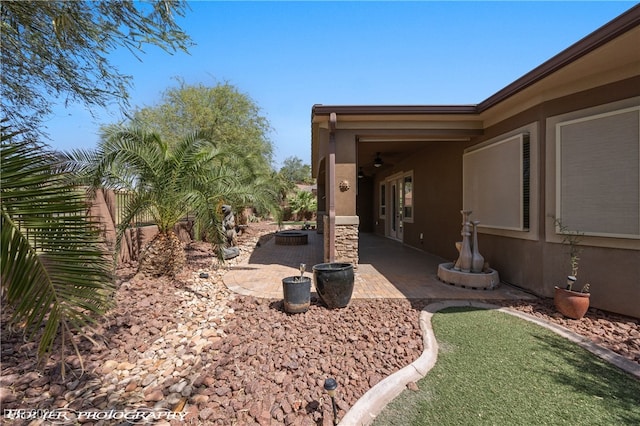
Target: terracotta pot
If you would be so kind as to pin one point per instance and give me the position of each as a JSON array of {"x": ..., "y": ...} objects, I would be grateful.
[{"x": 571, "y": 304}]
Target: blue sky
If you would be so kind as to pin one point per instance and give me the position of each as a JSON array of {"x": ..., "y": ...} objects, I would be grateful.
[{"x": 288, "y": 56}]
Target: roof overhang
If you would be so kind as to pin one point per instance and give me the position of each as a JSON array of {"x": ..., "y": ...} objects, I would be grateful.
[{"x": 608, "y": 54}]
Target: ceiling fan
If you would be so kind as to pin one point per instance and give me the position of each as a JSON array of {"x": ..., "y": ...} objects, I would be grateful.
[{"x": 377, "y": 162}]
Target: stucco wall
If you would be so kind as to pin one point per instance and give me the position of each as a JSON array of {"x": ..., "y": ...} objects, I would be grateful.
[
  {"x": 531, "y": 259},
  {"x": 437, "y": 175},
  {"x": 539, "y": 262},
  {"x": 346, "y": 174}
]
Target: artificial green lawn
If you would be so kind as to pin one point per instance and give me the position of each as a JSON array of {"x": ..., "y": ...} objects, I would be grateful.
[{"x": 497, "y": 369}]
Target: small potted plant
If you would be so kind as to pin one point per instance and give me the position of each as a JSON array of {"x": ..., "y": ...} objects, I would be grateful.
[
  {"x": 570, "y": 303},
  {"x": 297, "y": 292}
]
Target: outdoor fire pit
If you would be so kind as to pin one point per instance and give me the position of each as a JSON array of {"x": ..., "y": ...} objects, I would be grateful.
[{"x": 291, "y": 238}]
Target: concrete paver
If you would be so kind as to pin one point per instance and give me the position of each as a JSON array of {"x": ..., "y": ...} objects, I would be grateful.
[{"x": 387, "y": 270}]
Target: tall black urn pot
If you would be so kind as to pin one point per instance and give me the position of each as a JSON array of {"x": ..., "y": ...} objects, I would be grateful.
[{"x": 334, "y": 283}]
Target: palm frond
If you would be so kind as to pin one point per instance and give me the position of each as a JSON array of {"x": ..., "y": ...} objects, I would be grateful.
[{"x": 54, "y": 268}]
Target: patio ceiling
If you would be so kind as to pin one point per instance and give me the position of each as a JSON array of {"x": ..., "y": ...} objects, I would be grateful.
[
  {"x": 395, "y": 147},
  {"x": 398, "y": 136}
]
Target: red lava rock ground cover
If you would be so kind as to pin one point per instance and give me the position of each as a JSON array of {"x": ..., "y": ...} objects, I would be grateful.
[{"x": 188, "y": 344}]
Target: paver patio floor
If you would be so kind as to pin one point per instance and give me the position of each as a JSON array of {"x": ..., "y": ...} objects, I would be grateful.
[{"x": 387, "y": 269}]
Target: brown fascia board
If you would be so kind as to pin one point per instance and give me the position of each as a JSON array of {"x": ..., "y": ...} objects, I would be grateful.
[
  {"x": 618, "y": 26},
  {"x": 320, "y": 109}
]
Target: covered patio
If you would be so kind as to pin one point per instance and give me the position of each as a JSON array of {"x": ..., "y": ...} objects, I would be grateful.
[{"x": 387, "y": 270}]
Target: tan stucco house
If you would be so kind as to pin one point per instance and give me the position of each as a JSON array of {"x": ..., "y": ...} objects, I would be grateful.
[{"x": 562, "y": 141}]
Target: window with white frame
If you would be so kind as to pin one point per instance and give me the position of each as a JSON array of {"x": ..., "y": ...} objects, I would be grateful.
[
  {"x": 598, "y": 173},
  {"x": 382, "y": 211}
]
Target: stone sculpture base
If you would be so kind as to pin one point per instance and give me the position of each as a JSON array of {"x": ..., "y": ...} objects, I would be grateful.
[{"x": 478, "y": 281}]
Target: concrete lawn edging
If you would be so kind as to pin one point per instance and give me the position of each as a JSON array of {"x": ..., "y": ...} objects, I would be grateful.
[{"x": 367, "y": 408}]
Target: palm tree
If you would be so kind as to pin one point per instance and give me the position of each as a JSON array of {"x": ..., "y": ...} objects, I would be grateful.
[
  {"x": 303, "y": 203},
  {"x": 259, "y": 187},
  {"x": 54, "y": 267},
  {"x": 168, "y": 180}
]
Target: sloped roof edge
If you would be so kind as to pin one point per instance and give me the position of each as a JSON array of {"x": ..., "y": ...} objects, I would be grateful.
[
  {"x": 611, "y": 30},
  {"x": 320, "y": 109}
]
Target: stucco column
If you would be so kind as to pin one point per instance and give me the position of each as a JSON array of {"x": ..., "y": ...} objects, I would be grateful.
[{"x": 331, "y": 193}]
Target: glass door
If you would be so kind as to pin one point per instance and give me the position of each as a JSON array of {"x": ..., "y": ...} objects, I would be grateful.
[{"x": 394, "y": 213}]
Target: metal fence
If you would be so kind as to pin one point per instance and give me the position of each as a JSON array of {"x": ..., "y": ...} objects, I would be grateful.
[
  {"x": 141, "y": 219},
  {"x": 120, "y": 199}
]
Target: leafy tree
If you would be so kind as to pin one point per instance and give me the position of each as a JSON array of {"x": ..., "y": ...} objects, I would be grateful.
[
  {"x": 168, "y": 181},
  {"x": 295, "y": 171},
  {"x": 59, "y": 50},
  {"x": 231, "y": 118},
  {"x": 52, "y": 260},
  {"x": 234, "y": 124}
]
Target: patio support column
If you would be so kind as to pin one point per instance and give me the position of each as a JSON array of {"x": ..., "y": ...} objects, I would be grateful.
[{"x": 332, "y": 186}]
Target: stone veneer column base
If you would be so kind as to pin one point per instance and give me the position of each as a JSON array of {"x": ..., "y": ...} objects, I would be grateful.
[
  {"x": 346, "y": 239},
  {"x": 321, "y": 216}
]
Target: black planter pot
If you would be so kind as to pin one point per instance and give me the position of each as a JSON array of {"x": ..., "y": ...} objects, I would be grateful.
[
  {"x": 334, "y": 283},
  {"x": 297, "y": 294}
]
